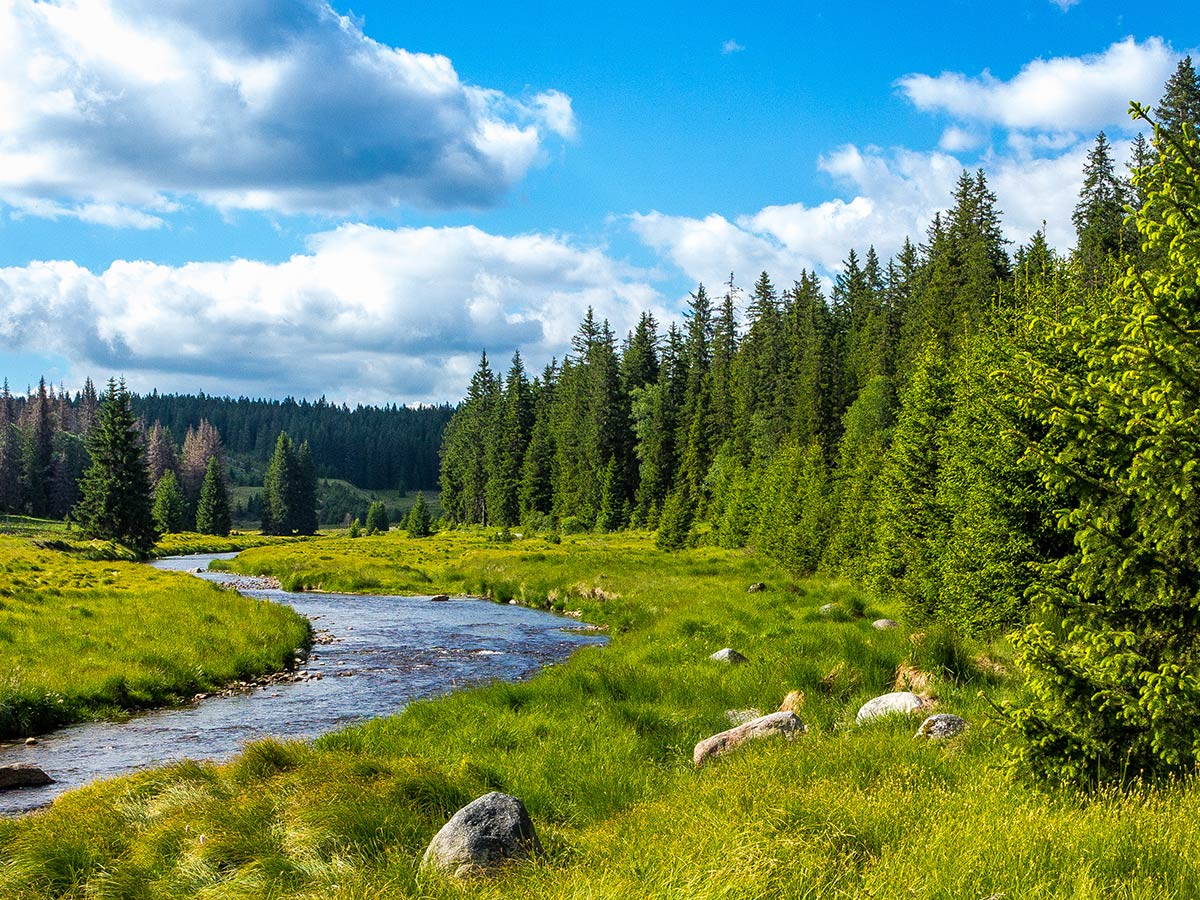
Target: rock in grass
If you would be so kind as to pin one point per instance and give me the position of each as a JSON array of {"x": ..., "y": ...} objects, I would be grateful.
[
  {"x": 482, "y": 835},
  {"x": 742, "y": 716},
  {"x": 942, "y": 725},
  {"x": 885, "y": 624},
  {"x": 785, "y": 724},
  {"x": 896, "y": 703},
  {"x": 728, "y": 655},
  {"x": 827, "y": 609},
  {"x": 756, "y": 587},
  {"x": 19, "y": 775}
]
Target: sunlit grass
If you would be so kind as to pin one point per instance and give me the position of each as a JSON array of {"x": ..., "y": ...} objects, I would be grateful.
[
  {"x": 84, "y": 639},
  {"x": 600, "y": 751}
]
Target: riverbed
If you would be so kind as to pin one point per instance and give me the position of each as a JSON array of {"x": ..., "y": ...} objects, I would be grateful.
[{"x": 374, "y": 655}]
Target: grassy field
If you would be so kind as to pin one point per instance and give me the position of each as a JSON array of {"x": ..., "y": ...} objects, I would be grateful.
[
  {"x": 600, "y": 751},
  {"x": 84, "y": 639}
]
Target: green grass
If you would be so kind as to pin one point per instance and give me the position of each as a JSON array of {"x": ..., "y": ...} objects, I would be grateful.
[
  {"x": 83, "y": 639},
  {"x": 600, "y": 751}
]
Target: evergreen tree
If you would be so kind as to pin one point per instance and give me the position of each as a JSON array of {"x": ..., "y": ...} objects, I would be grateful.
[
  {"x": 212, "y": 509},
  {"x": 1099, "y": 215},
  {"x": 675, "y": 525},
  {"x": 1180, "y": 103},
  {"x": 1112, "y": 659},
  {"x": 169, "y": 508},
  {"x": 418, "y": 523},
  {"x": 10, "y": 453},
  {"x": 307, "y": 518},
  {"x": 280, "y": 489},
  {"x": 537, "y": 471},
  {"x": 912, "y": 520},
  {"x": 116, "y": 502},
  {"x": 37, "y": 455},
  {"x": 507, "y": 448},
  {"x": 161, "y": 454},
  {"x": 377, "y": 518},
  {"x": 464, "y": 475}
]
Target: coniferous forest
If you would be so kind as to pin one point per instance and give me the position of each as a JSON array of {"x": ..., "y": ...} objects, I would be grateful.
[{"x": 992, "y": 436}]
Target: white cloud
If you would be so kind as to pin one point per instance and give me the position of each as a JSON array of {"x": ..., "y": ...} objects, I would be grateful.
[
  {"x": 956, "y": 140},
  {"x": 1064, "y": 5},
  {"x": 369, "y": 314},
  {"x": 115, "y": 104},
  {"x": 1072, "y": 93},
  {"x": 894, "y": 195},
  {"x": 731, "y": 46}
]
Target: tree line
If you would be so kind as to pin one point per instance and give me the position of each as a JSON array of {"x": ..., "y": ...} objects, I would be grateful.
[
  {"x": 991, "y": 439},
  {"x": 43, "y": 451}
]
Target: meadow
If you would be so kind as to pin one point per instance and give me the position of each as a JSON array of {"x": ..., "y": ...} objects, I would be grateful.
[
  {"x": 85, "y": 638},
  {"x": 600, "y": 751}
]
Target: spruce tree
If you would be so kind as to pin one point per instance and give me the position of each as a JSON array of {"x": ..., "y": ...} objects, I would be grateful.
[
  {"x": 1112, "y": 660},
  {"x": 418, "y": 523},
  {"x": 170, "y": 508},
  {"x": 306, "y": 521},
  {"x": 116, "y": 502},
  {"x": 377, "y": 518},
  {"x": 280, "y": 486},
  {"x": 212, "y": 509},
  {"x": 1099, "y": 215}
]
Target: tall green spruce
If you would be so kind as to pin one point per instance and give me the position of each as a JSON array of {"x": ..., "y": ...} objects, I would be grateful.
[
  {"x": 212, "y": 509},
  {"x": 1113, "y": 659},
  {"x": 170, "y": 506},
  {"x": 116, "y": 502},
  {"x": 289, "y": 490}
]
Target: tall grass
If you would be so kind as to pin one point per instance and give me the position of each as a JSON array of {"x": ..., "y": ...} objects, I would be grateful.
[
  {"x": 600, "y": 751},
  {"x": 83, "y": 639}
]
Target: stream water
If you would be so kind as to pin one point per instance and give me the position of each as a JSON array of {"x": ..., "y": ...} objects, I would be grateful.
[{"x": 381, "y": 653}]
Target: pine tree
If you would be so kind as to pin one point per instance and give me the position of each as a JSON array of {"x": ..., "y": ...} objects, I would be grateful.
[
  {"x": 506, "y": 454},
  {"x": 212, "y": 509},
  {"x": 1112, "y": 660},
  {"x": 377, "y": 518},
  {"x": 1180, "y": 103},
  {"x": 280, "y": 485},
  {"x": 116, "y": 502},
  {"x": 1099, "y": 215},
  {"x": 912, "y": 520},
  {"x": 37, "y": 455},
  {"x": 162, "y": 456},
  {"x": 675, "y": 524},
  {"x": 418, "y": 522},
  {"x": 10, "y": 453},
  {"x": 306, "y": 521},
  {"x": 169, "y": 509}
]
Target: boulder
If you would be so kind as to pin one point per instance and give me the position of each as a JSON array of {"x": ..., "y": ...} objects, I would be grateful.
[
  {"x": 728, "y": 655},
  {"x": 785, "y": 724},
  {"x": 19, "y": 775},
  {"x": 30, "y": 741},
  {"x": 896, "y": 703},
  {"x": 756, "y": 587},
  {"x": 482, "y": 835},
  {"x": 942, "y": 725},
  {"x": 885, "y": 624},
  {"x": 742, "y": 716},
  {"x": 827, "y": 609},
  {"x": 440, "y": 598}
]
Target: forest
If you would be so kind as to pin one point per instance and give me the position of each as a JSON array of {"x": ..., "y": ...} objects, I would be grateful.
[
  {"x": 43, "y": 453},
  {"x": 992, "y": 439}
]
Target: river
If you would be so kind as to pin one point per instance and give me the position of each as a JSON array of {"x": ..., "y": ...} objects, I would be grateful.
[{"x": 375, "y": 655}]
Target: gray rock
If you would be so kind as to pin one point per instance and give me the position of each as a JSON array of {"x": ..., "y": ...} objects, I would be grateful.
[
  {"x": 742, "y": 716},
  {"x": 885, "y": 624},
  {"x": 482, "y": 835},
  {"x": 728, "y": 655},
  {"x": 785, "y": 724},
  {"x": 756, "y": 587},
  {"x": 827, "y": 609},
  {"x": 440, "y": 598},
  {"x": 30, "y": 741},
  {"x": 19, "y": 775},
  {"x": 942, "y": 725},
  {"x": 896, "y": 703}
]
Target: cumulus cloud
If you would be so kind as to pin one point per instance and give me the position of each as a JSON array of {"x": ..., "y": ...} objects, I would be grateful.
[
  {"x": 118, "y": 105},
  {"x": 894, "y": 195},
  {"x": 731, "y": 46},
  {"x": 1076, "y": 93},
  {"x": 366, "y": 313}
]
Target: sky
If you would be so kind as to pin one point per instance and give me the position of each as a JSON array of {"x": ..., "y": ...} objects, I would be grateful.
[{"x": 304, "y": 198}]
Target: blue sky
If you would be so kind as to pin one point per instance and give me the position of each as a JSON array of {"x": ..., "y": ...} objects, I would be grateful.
[{"x": 274, "y": 198}]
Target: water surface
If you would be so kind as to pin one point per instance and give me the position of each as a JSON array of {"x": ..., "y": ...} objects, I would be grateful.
[{"x": 382, "y": 653}]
